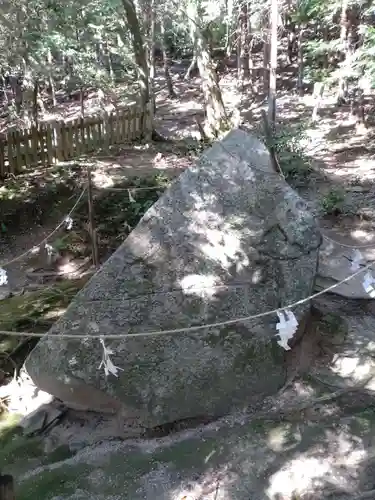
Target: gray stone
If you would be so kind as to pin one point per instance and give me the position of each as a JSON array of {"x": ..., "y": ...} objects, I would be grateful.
[
  {"x": 227, "y": 240},
  {"x": 42, "y": 418},
  {"x": 335, "y": 265},
  {"x": 5, "y": 292}
]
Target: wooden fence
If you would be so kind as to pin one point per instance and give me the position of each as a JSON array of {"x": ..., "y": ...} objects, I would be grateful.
[{"x": 61, "y": 141}]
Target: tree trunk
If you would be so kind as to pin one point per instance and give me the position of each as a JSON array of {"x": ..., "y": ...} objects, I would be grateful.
[
  {"x": 51, "y": 82},
  {"x": 16, "y": 85},
  {"x": 82, "y": 101},
  {"x": 325, "y": 40},
  {"x": 244, "y": 41},
  {"x": 273, "y": 64},
  {"x": 35, "y": 103},
  {"x": 5, "y": 93},
  {"x": 266, "y": 54},
  {"x": 228, "y": 34},
  {"x": 139, "y": 55},
  {"x": 318, "y": 96},
  {"x": 344, "y": 23},
  {"x": 109, "y": 64},
  {"x": 251, "y": 67},
  {"x": 291, "y": 42},
  {"x": 167, "y": 74},
  {"x": 151, "y": 15},
  {"x": 300, "y": 62},
  {"x": 361, "y": 117},
  {"x": 216, "y": 116},
  {"x": 192, "y": 65}
]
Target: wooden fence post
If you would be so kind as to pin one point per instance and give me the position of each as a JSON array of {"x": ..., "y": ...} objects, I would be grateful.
[
  {"x": 7, "y": 487},
  {"x": 49, "y": 145},
  {"x": 93, "y": 235},
  {"x": 10, "y": 152}
]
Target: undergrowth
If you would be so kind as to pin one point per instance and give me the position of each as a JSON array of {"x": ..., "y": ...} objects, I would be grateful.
[
  {"x": 116, "y": 214},
  {"x": 288, "y": 144}
]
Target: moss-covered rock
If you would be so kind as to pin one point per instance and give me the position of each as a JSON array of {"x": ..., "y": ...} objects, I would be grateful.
[{"x": 236, "y": 459}]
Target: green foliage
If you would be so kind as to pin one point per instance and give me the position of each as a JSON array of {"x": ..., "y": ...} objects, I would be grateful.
[
  {"x": 288, "y": 144},
  {"x": 333, "y": 202},
  {"x": 118, "y": 212}
]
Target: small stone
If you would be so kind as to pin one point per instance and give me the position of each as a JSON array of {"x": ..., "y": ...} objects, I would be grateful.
[
  {"x": 41, "y": 418},
  {"x": 5, "y": 292}
]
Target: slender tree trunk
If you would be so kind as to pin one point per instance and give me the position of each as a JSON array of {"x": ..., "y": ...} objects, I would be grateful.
[
  {"x": 35, "y": 103},
  {"x": 325, "y": 30},
  {"x": 273, "y": 64},
  {"x": 51, "y": 81},
  {"x": 344, "y": 22},
  {"x": 229, "y": 35},
  {"x": 266, "y": 54},
  {"x": 238, "y": 47},
  {"x": 82, "y": 101},
  {"x": 109, "y": 64},
  {"x": 361, "y": 117},
  {"x": 139, "y": 55},
  {"x": 251, "y": 67},
  {"x": 152, "y": 16},
  {"x": 193, "y": 65},
  {"x": 300, "y": 62},
  {"x": 5, "y": 94},
  {"x": 291, "y": 42},
  {"x": 244, "y": 41},
  {"x": 318, "y": 96},
  {"x": 167, "y": 74},
  {"x": 216, "y": 116}
]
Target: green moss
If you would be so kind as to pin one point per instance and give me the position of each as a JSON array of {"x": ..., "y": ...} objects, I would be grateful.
[
  {"x": 17, "y": 447},
  {"x": 40, "y": 308},
  {"x": 64, "y": 480}
]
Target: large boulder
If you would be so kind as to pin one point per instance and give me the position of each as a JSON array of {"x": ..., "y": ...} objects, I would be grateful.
[{"x": 227, "y": 240}]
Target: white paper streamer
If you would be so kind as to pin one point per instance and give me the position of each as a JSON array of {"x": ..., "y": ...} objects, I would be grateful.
[
  {"x": 69, "y": 223},
  {"x": 3, "y": 277},
  {"x": 107, "y": 363},
  {"x": 131, "y": 197},
  {"x": 369, "y": 284},
  {"x": 357, "y": 260},
  {"x": 286, "y": 327}
]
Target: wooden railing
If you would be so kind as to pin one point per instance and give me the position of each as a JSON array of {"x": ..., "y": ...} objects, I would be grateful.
[{"x": 61, "y": 141}]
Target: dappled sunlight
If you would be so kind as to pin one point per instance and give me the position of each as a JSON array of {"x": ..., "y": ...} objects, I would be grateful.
[
  {"x": 334, "y": 462},
  {"x": 212, "y": 485},
  {"x": 280, "y": 437},
  {"x": 354, "y": 368},
  {"x": 200, "y": 285},
  {"x": 224, "y": 247},
  {"x": 361, "y": 166}
]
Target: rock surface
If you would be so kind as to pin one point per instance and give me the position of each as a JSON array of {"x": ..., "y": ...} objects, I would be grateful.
[
  {"x": 234, "y": 459},
  {"x": 228, "y": 239},
  {"x": 335, "y": 265}
]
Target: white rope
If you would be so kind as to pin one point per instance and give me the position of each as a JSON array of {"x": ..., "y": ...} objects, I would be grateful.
[
  {"x": 4, "y": 264},
  {"x": 150, "y": 188},
  {"x": 190, "y": 328},
  {"x": 352, "y": 247}
]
